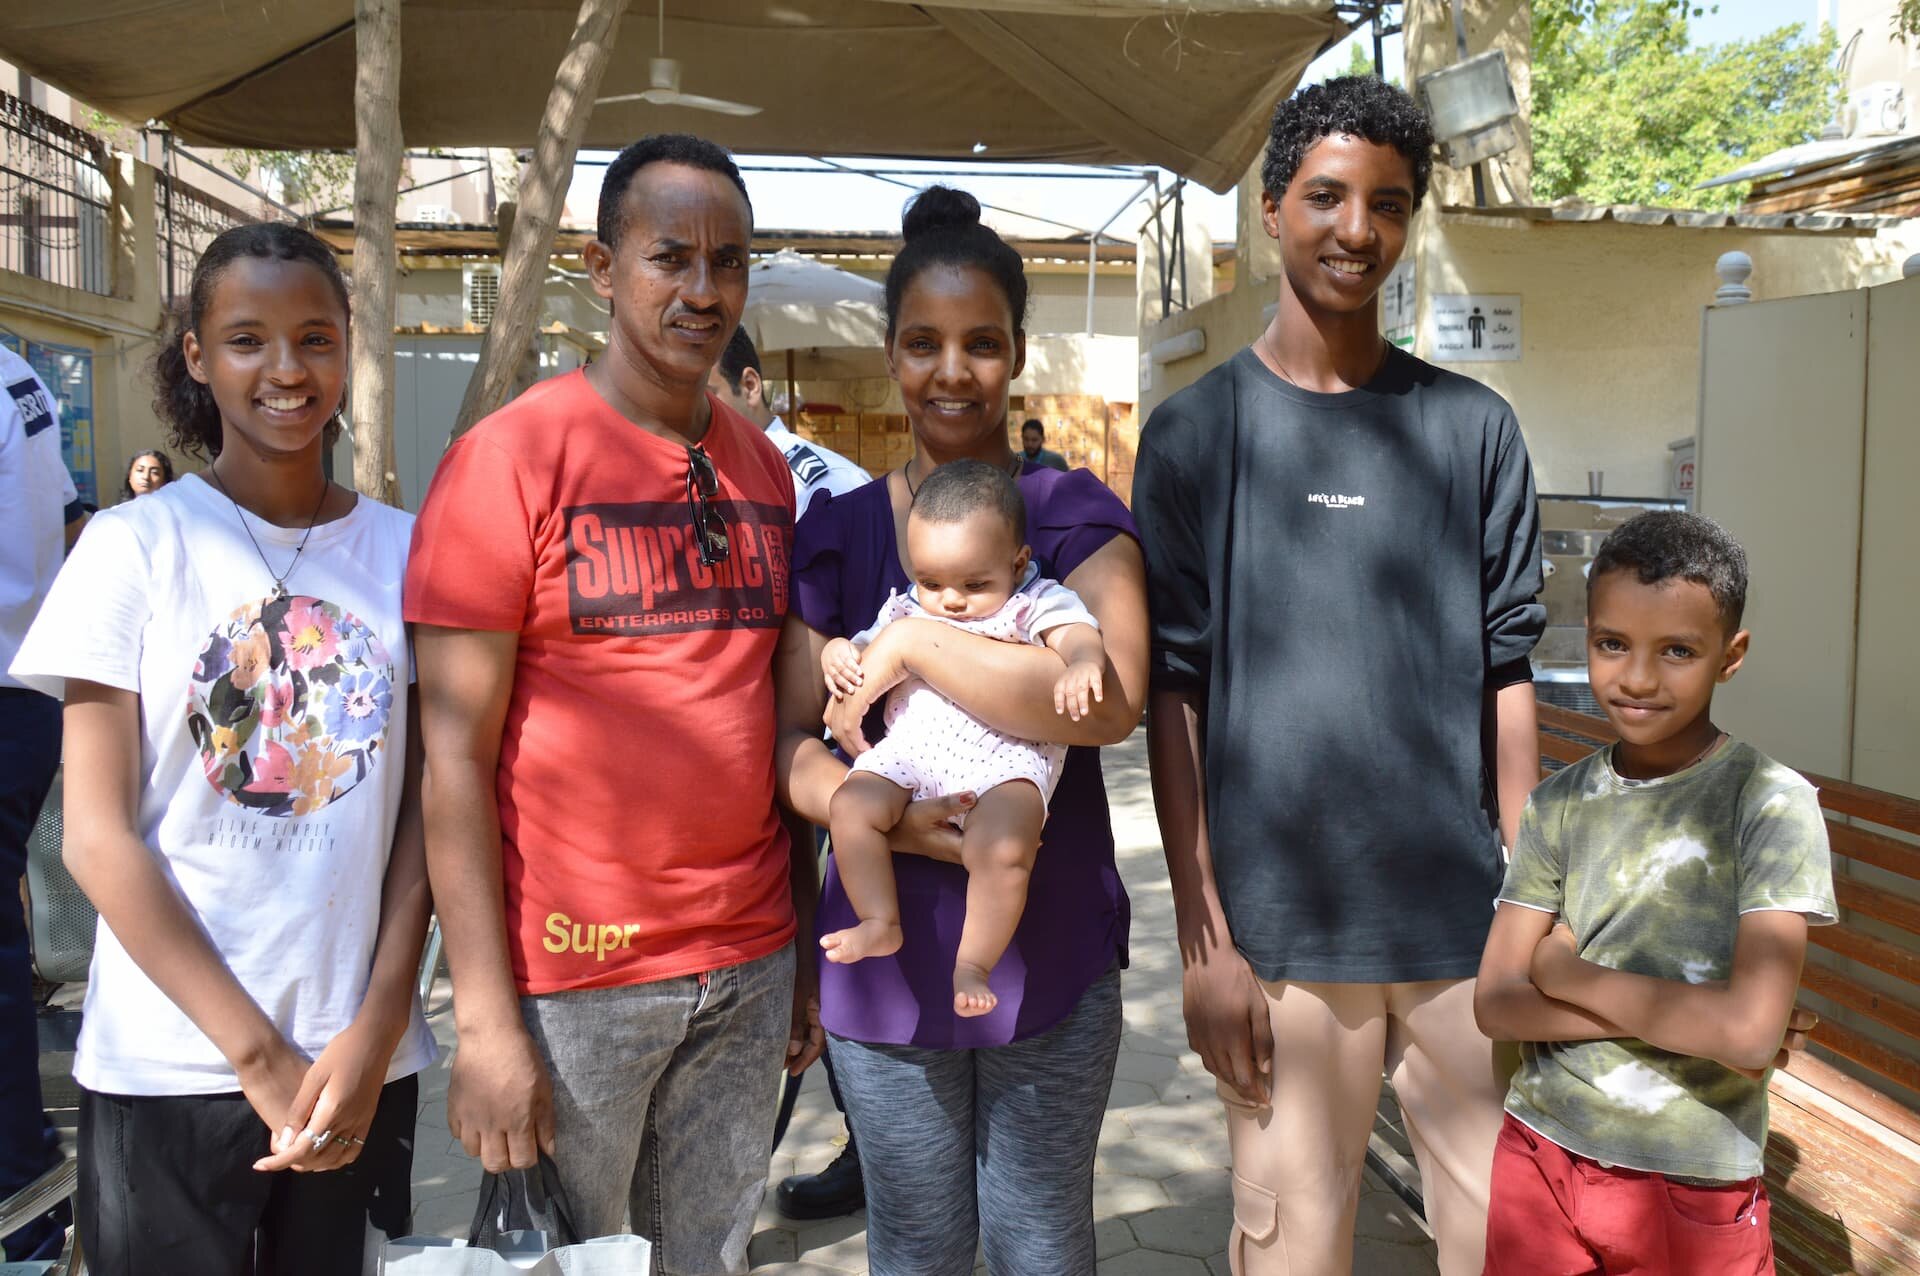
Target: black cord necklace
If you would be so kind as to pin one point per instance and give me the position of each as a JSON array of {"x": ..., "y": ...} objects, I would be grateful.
[
  {"x": 1015, "y": 464},
  {"x": 279, "y": 581}
]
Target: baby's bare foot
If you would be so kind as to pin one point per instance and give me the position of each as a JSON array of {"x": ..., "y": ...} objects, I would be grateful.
[
  {"x": 971, "y": 996},
  {"x": 857, "y": 943}
]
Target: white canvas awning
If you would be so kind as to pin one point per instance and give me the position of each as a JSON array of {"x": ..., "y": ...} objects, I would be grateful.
[{"x": 1185, "y": 84}]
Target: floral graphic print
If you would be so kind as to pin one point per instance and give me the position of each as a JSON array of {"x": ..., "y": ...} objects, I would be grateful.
[{"x": 289, "y": 705}]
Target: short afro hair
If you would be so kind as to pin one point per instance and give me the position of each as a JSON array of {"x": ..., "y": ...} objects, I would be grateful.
[
  {"x": 1675, "y": 545},
  {"x": 659, "y": 148},
  {"x": 960, "y": 489},
  {"x": 1356, "y": 105}
]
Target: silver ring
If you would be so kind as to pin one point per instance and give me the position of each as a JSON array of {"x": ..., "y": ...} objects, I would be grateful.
[
  {"x": 321, "y": 1139},
  {"x": 359, "y": 1143}
]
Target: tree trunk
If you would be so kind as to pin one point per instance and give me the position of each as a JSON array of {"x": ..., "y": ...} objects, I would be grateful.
[
  {"x": 376, "y": 185},
  {"x": 543, "y": 192}
]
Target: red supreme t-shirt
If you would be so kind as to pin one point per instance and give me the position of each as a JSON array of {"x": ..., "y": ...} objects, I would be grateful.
[{"x": 637, "y": 815}]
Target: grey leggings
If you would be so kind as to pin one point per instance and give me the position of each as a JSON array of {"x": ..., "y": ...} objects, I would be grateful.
[{"x": 994, "y": 1142}]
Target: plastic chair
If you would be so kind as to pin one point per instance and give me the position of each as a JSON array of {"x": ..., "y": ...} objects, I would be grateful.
[{"x": 61, "y": 916}]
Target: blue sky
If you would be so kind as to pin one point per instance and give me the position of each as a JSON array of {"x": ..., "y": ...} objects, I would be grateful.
[{"x": 838, "y": 201}]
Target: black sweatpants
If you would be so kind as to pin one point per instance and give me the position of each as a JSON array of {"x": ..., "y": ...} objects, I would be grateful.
[{"x": 167, "y": 1187}]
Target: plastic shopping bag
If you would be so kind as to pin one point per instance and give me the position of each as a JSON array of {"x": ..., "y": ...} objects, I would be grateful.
[{"x": 521, "y": 1225}]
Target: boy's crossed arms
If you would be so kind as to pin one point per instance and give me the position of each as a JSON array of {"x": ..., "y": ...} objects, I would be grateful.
[{"x": 1534, "y": 986}]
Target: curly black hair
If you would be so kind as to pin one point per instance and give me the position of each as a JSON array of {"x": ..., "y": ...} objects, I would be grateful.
[
  {"x": 1357, "y": 105},
  {"x": 186, "y": 405},
  {"x": 659, "y": 148},
  {"x": 1676, "y": 545}
]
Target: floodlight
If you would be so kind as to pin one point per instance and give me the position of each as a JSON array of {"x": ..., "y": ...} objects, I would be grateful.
[{"x": 1472, "y": 106}]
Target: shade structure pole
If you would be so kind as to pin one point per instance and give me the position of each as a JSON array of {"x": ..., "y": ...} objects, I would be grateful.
[
  {"x": 543, "y": 193},
  {"x": 376, "y": 186},
  {"x": 793, "y": 394}
]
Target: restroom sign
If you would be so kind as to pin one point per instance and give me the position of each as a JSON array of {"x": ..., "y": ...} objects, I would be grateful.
[{"x": 1474, "y": 328}]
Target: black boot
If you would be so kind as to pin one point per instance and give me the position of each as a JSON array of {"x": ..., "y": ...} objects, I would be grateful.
[{"x": 839, "y": 1189}]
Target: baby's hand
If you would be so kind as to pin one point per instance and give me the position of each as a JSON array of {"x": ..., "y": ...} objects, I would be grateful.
[
  {"x": 840, "y": 662},
  {"x": 1079, "y": 689}
]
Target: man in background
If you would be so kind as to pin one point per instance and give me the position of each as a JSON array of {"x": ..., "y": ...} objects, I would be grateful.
[
  {"x": 736, "y": 382},
  {"x": 40, "y": 515},
  {"x": 1033, "y": 441}
]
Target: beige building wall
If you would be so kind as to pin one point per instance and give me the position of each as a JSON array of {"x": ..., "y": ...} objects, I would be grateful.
[
  {"x": 1609, "y": 372},
  {"x": 1878, "y": 56}
]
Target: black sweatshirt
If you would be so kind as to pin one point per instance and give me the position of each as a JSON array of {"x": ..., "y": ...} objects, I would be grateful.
[{"x": 1337, "y": 579}]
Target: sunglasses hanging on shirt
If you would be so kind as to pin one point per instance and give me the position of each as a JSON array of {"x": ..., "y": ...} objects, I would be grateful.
[{"x": 703, "y": 487}]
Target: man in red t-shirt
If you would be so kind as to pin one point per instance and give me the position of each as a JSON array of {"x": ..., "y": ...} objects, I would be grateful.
[{"x": 598, "y": 582}]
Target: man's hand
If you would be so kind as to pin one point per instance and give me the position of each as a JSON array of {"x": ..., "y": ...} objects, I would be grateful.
[
  {"x": 500, "y": 1100},
  {"x": 1227, "y": 1020},
  {"x": 1079, "y": 689},
  {"x": 807, "y": 1039}
]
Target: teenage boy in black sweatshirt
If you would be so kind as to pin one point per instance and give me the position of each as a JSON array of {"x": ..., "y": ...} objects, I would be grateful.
[{"x": 1343, "y": 555}]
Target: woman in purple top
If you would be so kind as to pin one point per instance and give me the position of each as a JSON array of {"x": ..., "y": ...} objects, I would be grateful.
[{"x": 978, "y": 1128}]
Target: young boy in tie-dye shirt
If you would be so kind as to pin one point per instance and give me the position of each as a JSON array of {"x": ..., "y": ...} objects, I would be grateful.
[{"x": 1648, "y": 942}]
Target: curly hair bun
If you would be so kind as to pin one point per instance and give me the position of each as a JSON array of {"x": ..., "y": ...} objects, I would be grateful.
[{"x": 938, "y": 208}]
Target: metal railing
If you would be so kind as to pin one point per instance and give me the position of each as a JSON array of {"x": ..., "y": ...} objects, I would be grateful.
[
  {"x": 54, "y": 199},
  {"x": 186, "y": 219}
]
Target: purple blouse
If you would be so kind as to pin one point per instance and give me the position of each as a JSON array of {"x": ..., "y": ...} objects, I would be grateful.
[{"x": 1075, "y": 926}]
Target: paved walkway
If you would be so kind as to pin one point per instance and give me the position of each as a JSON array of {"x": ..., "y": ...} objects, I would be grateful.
[{"x": 1161, "y": 1192}]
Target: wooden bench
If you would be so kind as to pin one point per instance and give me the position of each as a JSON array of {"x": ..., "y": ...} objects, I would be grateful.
[{"x": 1843, "y": 1156}]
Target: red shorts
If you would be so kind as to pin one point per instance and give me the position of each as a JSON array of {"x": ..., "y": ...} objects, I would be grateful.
[{"x": 1556, "y": 1214}]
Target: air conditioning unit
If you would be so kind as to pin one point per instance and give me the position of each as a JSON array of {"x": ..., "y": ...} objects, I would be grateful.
[
  {"x": 1878, "y": 110},
  {"x": 436, "y": 213},
  {"x": 481, "y": 294}
]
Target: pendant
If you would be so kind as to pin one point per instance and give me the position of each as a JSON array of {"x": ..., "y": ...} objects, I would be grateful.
[{"x": 279, "y": 594}]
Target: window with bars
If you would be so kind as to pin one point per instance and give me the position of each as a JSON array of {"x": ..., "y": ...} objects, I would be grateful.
[{"x": 482, "y": 294}]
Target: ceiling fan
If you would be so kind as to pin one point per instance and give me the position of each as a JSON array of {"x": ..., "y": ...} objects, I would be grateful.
[{"x": 663, "y": 84}]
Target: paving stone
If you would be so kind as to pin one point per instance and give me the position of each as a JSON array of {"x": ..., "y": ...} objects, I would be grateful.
[
  {"x": 775, "y": 1245},
  {"x": 1150, "y": 1068},
  {"x": 1210, "y": 1187},
  {"x": 1148, "y": 1158},
  {"x": 830, "y": 1232},
  {"x": 1381, "y": 1258},
  {"x": 1188, "y": 1121},
  {"x": 1131, "y": 1094},
  {"x": 1184, "y": 1087},
  {"x": 1124, "y": 1194},
  {"x": 1142, "y": 1262},
  {"x": 1385, "y": 1217},
  {"x": 1112, "y": 1236},
  {"x": 1172, "y": 1045},
  {"x": 1183, "y": 1229}
]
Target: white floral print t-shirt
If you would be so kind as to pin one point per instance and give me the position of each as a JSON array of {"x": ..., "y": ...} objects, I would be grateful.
[{"x": 272, "y": 761}]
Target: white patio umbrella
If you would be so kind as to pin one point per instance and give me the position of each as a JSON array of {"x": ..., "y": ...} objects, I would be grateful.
[{"x": 831, "y": 324}]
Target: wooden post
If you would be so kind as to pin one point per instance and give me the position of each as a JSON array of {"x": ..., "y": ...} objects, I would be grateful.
[
  {"x": 376, "y": 186},
  {"x": 543, "y": 192}
]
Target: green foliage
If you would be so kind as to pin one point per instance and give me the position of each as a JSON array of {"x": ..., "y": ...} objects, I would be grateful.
[
  {"x": 312, "y": 179},
  {"x": 1625, "y": 112},
  {"x": 1906, "y": 20},
  {"x": 1358, "y": 63}
]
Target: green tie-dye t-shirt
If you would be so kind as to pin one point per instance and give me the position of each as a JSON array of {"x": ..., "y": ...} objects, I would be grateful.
[{"x": 1652, "y": 876}]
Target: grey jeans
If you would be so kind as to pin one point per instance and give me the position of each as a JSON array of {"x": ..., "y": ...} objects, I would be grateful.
[
  {"x": 663, "y": 1105},
  {"x": 994, "y": 1143}
]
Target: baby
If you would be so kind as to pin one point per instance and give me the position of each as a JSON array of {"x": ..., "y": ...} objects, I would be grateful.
[{"x": 966, "y": 538}]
